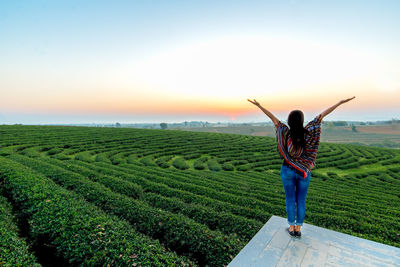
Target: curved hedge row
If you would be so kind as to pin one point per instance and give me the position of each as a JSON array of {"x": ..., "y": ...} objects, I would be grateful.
[
  {"x": 174, "y": 230},
  {"x": 13, "y": 250},
  {"x": 238, "y": 198},
  {"x": 188, "y": 197},
  {"x": 223, "y": 221},
  {"x": 80, "y": 232},
  {"x": 180, "y": 164}
]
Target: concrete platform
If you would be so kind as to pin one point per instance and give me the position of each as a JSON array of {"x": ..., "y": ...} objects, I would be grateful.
[{"x": 272, "y": 246}]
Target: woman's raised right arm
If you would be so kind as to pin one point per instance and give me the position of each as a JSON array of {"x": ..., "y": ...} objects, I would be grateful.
[
  {"x": 329, "y": 110},
  {"x": 269, "y": 114}
]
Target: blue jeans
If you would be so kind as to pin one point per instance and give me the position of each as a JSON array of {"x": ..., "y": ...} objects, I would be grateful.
[{"x": 295, "y": 186}]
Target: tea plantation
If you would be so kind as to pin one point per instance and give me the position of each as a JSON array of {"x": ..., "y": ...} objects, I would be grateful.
[{"x": 140, "y": 197}]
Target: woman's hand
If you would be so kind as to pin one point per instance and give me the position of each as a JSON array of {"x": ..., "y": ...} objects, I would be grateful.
[
  {"x": 346, "y": 100},
  {"x": 254, "y": 102},
  {"x": 269, "y": 114}
]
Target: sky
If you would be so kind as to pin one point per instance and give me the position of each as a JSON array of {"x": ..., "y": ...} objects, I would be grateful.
[{"x": 174, "y": 61}]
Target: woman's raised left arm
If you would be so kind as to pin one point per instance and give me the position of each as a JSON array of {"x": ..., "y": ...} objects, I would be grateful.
[{"x": 329, "y": 110}]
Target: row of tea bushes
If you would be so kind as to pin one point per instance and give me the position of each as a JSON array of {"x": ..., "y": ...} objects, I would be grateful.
[
  {"x": 80, "y": 232},
  {"x": 174, "y": 230},
  {"x": 14, "y": 251}
]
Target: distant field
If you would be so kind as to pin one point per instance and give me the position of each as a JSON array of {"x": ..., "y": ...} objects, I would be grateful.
[
  {"x": 371, "y": 135},
  {"x": 141, "y": 197}
]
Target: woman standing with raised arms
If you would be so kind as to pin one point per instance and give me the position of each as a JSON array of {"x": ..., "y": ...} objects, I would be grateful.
[{"x": 298, "y": 146}]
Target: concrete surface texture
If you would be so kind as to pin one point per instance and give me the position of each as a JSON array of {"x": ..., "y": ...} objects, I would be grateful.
[{"x": 272, "y": 246}]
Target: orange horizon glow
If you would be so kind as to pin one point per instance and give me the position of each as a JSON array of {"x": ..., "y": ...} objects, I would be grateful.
[
  {"x": 315, "y": 101},
  {"x": 198, "y": 60},
  {"x": 210, "y": 77}
]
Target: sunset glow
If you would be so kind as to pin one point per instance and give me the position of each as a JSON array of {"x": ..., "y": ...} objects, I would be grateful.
[{"x": 202, "y": 66}]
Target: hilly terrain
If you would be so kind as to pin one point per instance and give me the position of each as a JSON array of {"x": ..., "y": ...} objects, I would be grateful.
[{"x": 148, "y": 197}]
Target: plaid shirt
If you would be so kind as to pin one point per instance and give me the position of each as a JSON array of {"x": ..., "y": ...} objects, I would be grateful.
[{"x": 301, "y": 160}]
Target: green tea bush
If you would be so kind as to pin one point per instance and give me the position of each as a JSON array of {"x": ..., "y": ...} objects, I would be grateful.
[
  {"x": 44, "y": 149},
  {"x": 227, "y": 166},
  {"x": 239, "y": 162},
  {"x": 54, "y": 151},
  {"x": 221, "y": 201},
  {"x": 224, "y": 221},
  {"x": 244, "y": 167},
  {"x": 213, "y": 165},
  {"x": 61, "y": 156},
  {"x": 84, "y": 156},
  {"x": 14, "y": 251},
  {"x": 163, "y": 161},
  {"x": 148, "y": 161},
  {"x": 174, "y": 230},
  {"x": 180, "y": 164},
  {"x": 395, "y": 160},
  {"x": 349, "y": 166},
  {"x": 117, "y": 159},
  {"x": 5, "y": 151},
  {"x": 199, "y": 165},
  {"x": 102, "y": 158},
  {"x": 187, "y": 196},
  {"x": 131, "y": 159},
  {"x": 332, "y": 174},
  {"x": 192, "y": 156},
  {"x": 31, "y": 152},
  {"x": 80, "y": 232},
  {"x": 395, "y": 169}
]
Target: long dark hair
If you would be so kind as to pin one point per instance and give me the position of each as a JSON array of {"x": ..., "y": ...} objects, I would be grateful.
[{"x": 297, "y": 131}]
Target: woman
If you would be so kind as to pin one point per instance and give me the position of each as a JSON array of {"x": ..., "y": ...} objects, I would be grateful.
[{"x": 298, "y": 146}]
